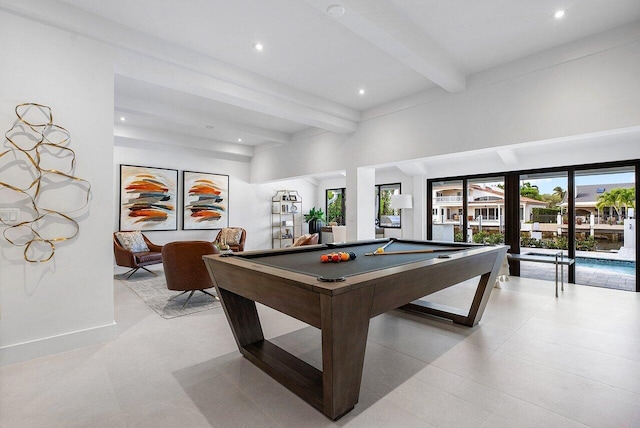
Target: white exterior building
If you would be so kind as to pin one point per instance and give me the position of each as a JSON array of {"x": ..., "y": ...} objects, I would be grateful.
[{"x": 486, "y": 205}]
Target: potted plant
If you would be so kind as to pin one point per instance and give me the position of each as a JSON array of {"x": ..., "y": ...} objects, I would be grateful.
[{"x": 315, "y": 218}]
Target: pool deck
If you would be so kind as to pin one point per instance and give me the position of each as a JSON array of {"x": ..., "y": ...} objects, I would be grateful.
[{"x": 584, "y": 275}]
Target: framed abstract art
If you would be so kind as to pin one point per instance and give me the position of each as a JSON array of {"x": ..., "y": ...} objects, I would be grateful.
[
  {"x": 148, "y": 198},
  {"x": 205, "y": 200}
]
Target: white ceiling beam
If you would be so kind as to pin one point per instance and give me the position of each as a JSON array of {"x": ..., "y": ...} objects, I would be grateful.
[
  {"x": 164, "y": 138},
  {"x": 376, "y": 22},
  {"x": 508, "y": 157},
  {"x": 196, "y": 118},
  {"x": 312, "y": 180},
  {"x": 215, "y": 79},
  {"x": 176, "y": 77},
  {"x": 413, "y": 169},
  {"x": 134, "y": 143}
]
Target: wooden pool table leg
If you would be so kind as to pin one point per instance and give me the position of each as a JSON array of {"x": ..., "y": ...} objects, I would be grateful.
[
  {"x": 471, "y": 317},
  {"x": 345, "y": 325},
  {"x": 295, "y": 374},
  {"x": 242, "y": 316}
]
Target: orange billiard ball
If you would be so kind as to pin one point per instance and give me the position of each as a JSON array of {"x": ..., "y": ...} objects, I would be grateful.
[
  {"x": 324, "y": 258},
  {"x": 344, "y": 256}
]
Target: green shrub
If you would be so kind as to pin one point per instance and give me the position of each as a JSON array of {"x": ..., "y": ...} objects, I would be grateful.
[
  {"x": 488, "y": 238},
  {"x": 588, "y": 244},
  {"x": 559, "y": 243},
  {"x": 545, "y": 215},
  {"x": 531, "y": 242},
  {"x": 479, "y": 237},
  {"x": 495, "y": 239}
]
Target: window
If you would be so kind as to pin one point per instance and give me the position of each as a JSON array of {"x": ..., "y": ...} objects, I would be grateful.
[
  {"x": 335, "y": 208},
  {"x": 385, "y": 215},
  {"x": 485, "y": 210},
  {"x": 487, "y": 213},
  {"x": 447, "y": 211},
  {"x": 580, "y": 211}
]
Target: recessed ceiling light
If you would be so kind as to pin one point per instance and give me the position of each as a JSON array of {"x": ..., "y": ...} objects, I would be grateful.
[
  {"x": 559, "y": 14},
  {"x": 335, "y": 10},
  {"x": 239, "y": 140},
  {"x": 122, "y": 118},
  {"x": 258, "y": 46},
  {"x": 361, "y": 91}
]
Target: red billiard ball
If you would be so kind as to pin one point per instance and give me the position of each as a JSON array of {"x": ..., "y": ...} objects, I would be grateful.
[
  {"x": 324, "y": 258},
  {"x": 335, "y": 257}
]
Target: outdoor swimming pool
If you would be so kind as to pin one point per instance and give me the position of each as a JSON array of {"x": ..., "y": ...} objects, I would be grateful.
[
  {"x": 595, "y": 272},
  {"x": 624, "y": 267},
  {"x": 617, "y": 266}
]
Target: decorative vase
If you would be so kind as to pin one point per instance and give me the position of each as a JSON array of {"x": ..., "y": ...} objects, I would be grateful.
[{"x": 315, "y": 226}]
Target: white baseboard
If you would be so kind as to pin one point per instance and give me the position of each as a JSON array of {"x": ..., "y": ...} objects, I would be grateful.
[{"x": 25, "y": 351}]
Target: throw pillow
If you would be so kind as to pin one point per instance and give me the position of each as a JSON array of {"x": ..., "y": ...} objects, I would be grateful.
[
  {"x": 302, "y": 240},
  {"x": 132, "y": 241},
  {"x": 230, "y": 236}
]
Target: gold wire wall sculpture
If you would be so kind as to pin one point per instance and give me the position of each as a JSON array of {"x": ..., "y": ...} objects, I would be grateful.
[{"x": 35, "y": 148}]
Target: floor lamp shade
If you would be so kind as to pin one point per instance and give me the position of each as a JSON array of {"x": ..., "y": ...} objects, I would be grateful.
[{"x": 401, "y": 201}]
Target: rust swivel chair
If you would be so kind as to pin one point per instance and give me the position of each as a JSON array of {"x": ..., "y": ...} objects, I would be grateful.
[
  {"x": 184, "y": 268},
  {"x": 135, "y": 260}
]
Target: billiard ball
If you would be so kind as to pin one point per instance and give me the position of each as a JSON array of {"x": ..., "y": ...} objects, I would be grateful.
[
  {"x": 324, "y": 258},
  {"x": 352, "y": 255},
  {"x": 379, "y": 251},
  {"x": 335, "y": 257},
  {"x": 344, "y": 256}
]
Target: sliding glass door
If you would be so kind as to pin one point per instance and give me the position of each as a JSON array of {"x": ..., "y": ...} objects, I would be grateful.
[
  {"x": 583, "y": 212},
  {"x": 485, "y": 210},
  {"x": 544, "y": 230},
  {"x": 447, "y": 211},
  {"x": 605, "y": 228}
]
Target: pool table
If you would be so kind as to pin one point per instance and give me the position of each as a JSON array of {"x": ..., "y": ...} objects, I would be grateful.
[{"x": 339, "y": 298}]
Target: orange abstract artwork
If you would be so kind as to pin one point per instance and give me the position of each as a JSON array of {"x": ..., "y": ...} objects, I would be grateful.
[
  {"x": 205, "y": 205},
  {"x": 147, "y": 198}
]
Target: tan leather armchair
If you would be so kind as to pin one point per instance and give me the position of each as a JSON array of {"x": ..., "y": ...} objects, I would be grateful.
[
  {"x": 184, "y": 268},
  {"x": 308, "y": 239},
  {"x": 235, "y": 247},
  {"x": 137, "y": 260}
]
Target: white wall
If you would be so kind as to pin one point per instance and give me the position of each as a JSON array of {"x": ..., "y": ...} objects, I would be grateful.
[
  {"x": 249, "y": 204},
  {"x": 68, "y": 301},
  {"x": 599, "y": 93}
]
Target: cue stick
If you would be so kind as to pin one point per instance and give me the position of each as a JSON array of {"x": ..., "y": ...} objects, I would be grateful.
[
  {"x": 387, "y": 244},
  {"x": 390, "y": 253}
]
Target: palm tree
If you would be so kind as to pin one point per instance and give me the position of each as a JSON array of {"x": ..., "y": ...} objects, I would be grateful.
[
  {"x": 628, "y": 197},
  {"x": 559, "y": 191},
  {"x": 608, "y": 199},
  {"x": 618, "y": 198},
  {"x": 530, "y": 191}
]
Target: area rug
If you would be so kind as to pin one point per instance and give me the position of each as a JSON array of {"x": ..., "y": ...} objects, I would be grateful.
[{"x": 153, "y": 291}]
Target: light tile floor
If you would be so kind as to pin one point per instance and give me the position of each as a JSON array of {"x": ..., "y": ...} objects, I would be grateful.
[{"x": 534, "y": 361}]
